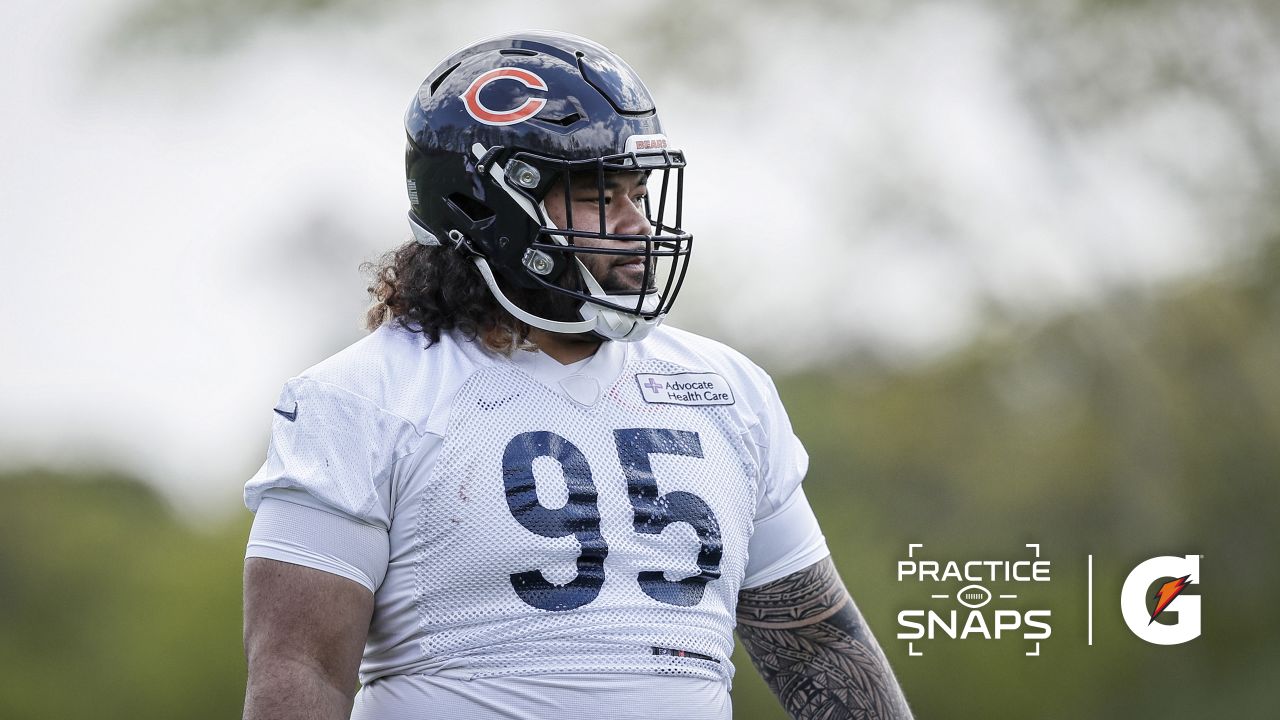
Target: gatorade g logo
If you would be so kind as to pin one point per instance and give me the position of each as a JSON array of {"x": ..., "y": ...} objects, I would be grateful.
[
  {"x": 1163, "y": 579},
  {"x": 489, "y": 116}
]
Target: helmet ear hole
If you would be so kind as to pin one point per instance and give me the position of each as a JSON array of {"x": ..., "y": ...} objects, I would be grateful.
[{"x": 474, "y": 211}]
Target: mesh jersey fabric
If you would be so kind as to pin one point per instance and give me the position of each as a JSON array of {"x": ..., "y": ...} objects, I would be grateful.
[
  {"x": 595, "y": 696},
  {"x": 541, "y": 518}
]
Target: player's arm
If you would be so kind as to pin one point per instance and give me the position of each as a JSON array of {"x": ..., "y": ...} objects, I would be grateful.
[
  {"x": 806, "y": 637},
  {"x": 304, "y": 634}
]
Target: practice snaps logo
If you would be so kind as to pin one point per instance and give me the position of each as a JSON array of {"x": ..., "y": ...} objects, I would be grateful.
[
  {"x": 1173, "y": 618},
  {"x": 968, "y": 584}
]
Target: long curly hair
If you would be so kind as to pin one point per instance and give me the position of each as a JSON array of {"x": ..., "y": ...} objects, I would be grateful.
[{"x": 431, "y": 289}]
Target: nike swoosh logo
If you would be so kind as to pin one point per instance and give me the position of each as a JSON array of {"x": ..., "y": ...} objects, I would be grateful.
[{"x": 291, "y": 415}]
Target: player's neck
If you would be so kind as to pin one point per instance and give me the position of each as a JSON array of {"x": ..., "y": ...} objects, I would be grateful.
[{"x": 564, "y": 349}]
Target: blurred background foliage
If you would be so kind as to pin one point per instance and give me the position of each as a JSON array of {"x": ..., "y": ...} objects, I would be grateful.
[
  {"x": 1146, "y": 425},
  {"x": 1143, "y": 421}
]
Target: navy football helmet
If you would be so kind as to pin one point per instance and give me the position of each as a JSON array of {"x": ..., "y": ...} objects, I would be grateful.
[{"x": 496, "y": 126}]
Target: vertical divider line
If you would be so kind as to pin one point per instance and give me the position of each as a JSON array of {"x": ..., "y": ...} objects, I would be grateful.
[{"x": 1091, "y": 601}]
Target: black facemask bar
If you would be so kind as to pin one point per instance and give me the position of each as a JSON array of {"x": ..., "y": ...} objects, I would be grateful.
[{"x": 665, "y": 250}]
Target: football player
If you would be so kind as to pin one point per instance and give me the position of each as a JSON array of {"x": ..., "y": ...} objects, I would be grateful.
[{"x": 521, "y": 496}]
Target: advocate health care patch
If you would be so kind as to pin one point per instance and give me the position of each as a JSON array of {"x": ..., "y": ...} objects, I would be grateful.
[{"x": 685, "y": 389}]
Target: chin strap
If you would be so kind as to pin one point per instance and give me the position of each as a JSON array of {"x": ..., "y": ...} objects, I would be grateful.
[
  {"x": 606, "y": 322},
  {"x": 580, "y": 326}
]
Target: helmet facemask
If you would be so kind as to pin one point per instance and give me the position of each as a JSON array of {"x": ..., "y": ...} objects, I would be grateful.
[{"x": 616, "y": 301}]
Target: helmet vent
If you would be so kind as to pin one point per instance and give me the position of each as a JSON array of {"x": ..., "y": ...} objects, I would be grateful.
[
  {"x": 618, "y": 84},
  {"x": 565, "y": 121},
  {"x": 516, "y": 51},
  {"x": 475, "y": 210},
  {"x": 436, "y": 83}
]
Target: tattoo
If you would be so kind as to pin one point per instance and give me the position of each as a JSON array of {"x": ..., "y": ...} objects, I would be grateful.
[{"x": 809, "y": 642}]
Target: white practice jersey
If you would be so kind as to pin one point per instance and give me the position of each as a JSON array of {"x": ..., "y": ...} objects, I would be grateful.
[{"x": 515, "y": 517}]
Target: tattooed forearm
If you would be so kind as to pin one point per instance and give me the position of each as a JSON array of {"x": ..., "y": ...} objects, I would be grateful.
[{"x": 806, "y": 637}]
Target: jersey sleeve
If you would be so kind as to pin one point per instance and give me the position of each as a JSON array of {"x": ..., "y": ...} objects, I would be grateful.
[
  {"x": 783, "y": 460},
  {"x": 786, "y": 536},
  {"x": 786, "y": 541},
  {"x": 335, "y": 447},
  {"x": 289, "y": 529}
]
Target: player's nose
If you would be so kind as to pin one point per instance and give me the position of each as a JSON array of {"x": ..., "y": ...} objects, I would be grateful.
[{"x": 632, "y": 220}]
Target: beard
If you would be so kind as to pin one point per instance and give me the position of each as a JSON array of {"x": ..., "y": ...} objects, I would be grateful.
[{"x": 617, "y": 281}]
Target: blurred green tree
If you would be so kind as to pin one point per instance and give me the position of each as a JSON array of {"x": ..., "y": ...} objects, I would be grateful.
[{"x": 110, "y": 608}]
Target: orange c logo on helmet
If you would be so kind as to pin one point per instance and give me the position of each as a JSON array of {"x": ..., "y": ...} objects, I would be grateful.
[{"x": 526, "y": 110}]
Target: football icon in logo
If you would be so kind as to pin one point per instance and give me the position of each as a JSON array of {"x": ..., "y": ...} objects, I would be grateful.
[{"x": 973, "y": 596}]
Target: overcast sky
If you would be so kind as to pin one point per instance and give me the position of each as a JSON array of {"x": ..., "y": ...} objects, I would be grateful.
[{"x": 181, "y": 231}]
